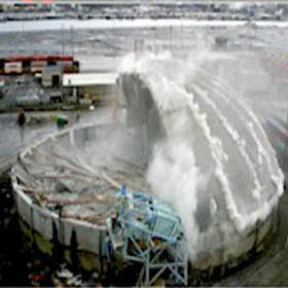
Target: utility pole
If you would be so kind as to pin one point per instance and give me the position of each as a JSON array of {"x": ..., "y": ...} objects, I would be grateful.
[
  {"x": 72, "y": 40},
  {"x": 63, "y": 42}
]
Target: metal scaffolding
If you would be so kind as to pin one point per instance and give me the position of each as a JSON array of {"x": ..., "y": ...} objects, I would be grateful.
[{"x": 147, "y": 231}]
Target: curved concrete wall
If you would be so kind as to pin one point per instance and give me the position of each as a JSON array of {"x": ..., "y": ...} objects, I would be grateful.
[
  {"x": 42, "y": 220},
  {"x": 90, "y": 237}
]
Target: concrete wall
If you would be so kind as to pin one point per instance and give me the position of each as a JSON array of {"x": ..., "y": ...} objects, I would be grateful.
[
  {"x": 41, "y": 220},
  {"x": 251, "y": 243}
]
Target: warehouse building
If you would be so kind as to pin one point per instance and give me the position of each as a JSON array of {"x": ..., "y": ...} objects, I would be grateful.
[{"x": 89, "y": 88}]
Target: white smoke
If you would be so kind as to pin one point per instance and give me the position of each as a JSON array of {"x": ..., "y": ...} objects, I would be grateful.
[
  {"x": 173, "y": 177},
  {"x": 136, "y": 63},
  {"x": 173, "y": 174}
]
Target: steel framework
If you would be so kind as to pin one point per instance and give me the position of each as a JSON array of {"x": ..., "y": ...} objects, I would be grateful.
[{"x": 147, "y": 231}]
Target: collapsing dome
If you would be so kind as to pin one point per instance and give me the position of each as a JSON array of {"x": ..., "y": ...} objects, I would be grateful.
[{"x": 206, "y": 153}]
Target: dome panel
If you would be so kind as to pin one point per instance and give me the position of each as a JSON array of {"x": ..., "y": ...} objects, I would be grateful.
[{"x": 221, "y": 173}]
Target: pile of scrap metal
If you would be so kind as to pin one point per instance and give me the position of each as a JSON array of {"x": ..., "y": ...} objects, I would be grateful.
[
  {"x": 147, "y": 231},
  {"x": 70, "y": 186}
]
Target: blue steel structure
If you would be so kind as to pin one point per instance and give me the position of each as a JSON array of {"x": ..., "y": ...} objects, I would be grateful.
[{"x": 147, "y": 231}]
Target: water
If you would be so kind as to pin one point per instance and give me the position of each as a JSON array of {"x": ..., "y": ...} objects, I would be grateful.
[{"x": 46, "y": 25}]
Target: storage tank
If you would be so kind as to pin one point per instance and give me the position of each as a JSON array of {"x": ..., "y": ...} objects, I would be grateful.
[{"x": 184, "y": 138}]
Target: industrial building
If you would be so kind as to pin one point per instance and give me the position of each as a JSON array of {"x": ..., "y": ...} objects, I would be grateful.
[
  {"x": 89, "y": 88},
  {"x": 56, "y": 86},
  {"x": 52, "y": 76}
]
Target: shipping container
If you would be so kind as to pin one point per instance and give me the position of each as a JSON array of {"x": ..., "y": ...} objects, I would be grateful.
[
  {"x": 37, "y": 66},
  {"x": 13, "y": 68}
]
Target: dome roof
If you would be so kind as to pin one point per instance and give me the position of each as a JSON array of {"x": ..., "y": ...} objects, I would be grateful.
[{"x": 206, "y": 151}]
